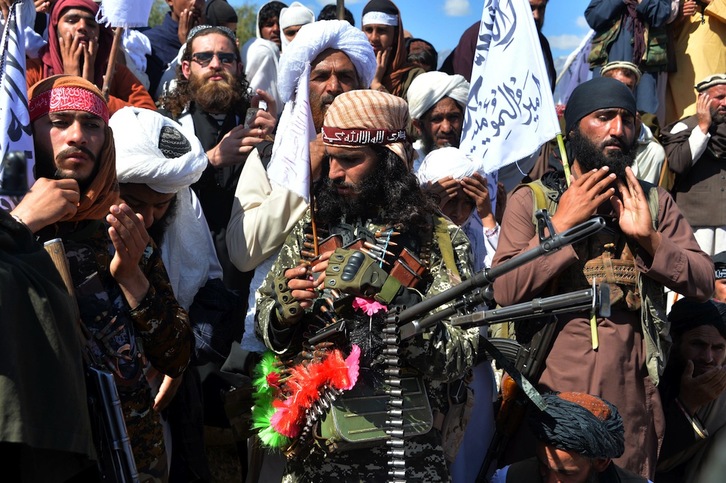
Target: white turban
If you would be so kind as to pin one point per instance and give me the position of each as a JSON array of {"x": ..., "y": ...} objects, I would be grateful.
[
  {"x": 453, "y": 162},
  {"x": 444, "y": 162},
  {"x": 430, "y": 87},
  {"x": 141, "y": 157},
  {"x": 314, "y": 38},
  {"x": 295, "y": 14}
]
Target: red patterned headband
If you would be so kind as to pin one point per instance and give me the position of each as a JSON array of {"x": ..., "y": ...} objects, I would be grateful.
[
  {"x": 361, "y": 137},
  {"x": 67, "y": 98}
]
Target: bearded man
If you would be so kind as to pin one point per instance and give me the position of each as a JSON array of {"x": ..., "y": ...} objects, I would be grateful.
[
  {"x": 695, "y": 151},
  {"x": 647, "y": 244},
  {"x": 210, "y": 102},
  {"x": 369, "y": 202},
  {"x": 436, "y": 102}
]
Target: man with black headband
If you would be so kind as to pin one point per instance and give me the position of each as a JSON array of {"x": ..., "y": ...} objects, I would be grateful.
[
  {"x": 647, "y": 244},
  {"x": 578, "y": 435},
  {"x": 693, "y": 389},
  {"x": 372, "y": 207}
]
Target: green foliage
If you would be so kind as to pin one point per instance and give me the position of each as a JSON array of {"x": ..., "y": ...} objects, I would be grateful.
[
  {"x": 246, "y": 20},
  {"x": 158, "y": 11}
]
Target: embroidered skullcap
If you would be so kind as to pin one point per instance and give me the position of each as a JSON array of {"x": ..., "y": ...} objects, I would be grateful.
[
  {"x": 580, "y": 423},
  {"x": 152, "y": 150},
  {"x": 366, "y": 118},
  {"x": 430, "y": 87},
  {"x": 622, "y": 64},
  {"x": 598, "y": 93},
  {"x": 314, "y": 38},
  {"x": 687, "y": 314},
  {"x": 66, "y": 93},
  {"x": 71, "y": 93},
  {"x": 710, "y": 81},
  {"x": 719, "y": 263},
  {"x": 202, "y": 29},
  {"x": 380, "y": 12}
]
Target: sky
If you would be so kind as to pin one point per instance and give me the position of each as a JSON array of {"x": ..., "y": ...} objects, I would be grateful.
[{"x": 442, "y": 22}]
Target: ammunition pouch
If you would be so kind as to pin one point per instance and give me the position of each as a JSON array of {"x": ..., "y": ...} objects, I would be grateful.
[{"x": 357, "y": 418}]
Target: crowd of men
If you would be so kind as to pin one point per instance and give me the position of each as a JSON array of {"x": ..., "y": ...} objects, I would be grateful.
[{"x": 249, "y": 231}]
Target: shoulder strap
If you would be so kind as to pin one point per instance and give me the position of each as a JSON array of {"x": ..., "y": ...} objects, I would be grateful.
[{"x": 443, "y": 238}]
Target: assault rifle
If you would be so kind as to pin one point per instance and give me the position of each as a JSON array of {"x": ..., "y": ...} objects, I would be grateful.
[
  {"x": 518, "y": 359},
  {"x": 478, "y": 289}
]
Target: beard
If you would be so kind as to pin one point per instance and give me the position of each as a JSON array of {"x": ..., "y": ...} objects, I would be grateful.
[
  {"x": 591, "y": 156},
  {"x": 318, "y": 107},
  {"x": 331, "y": 206},
  {"x": 217, "y": 97},
  {"x": 158, "y": 229},
  {"x": 717, "y": 117}
]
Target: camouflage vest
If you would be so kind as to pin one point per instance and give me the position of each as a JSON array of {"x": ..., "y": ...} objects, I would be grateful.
[
  {"x": 606, "y": 257},
  {"x": 655, "y": 58}
]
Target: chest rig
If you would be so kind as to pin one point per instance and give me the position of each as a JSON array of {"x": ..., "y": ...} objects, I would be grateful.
[{"x": 389, "y": 402}]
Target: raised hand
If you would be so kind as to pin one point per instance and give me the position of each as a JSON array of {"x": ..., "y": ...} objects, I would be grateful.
[
  {"x": 47, "y": 202},
  {"x": 633, "y": 213},
  {"x": 583, "y": 197},
  {"x": 444, "y": 189},
  {"x": 475, "y": 186},
  {"x": 130, "y": 239},
  {"x": 71, "y": 52},
  {"x": 703, "y": 112},
  {"x": 700, "y": 390},
  {"x": 382, "y": 58}
]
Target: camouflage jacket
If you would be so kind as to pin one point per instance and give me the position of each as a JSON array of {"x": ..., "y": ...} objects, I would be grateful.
[
  {"x": 440, "y": 355},
  {"x": 123, "y": 340}
]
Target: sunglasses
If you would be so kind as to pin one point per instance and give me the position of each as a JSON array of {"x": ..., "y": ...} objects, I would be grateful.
[{"x": 204, "y": 58}]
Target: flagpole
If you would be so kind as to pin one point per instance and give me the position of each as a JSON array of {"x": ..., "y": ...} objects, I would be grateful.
[
  {"x": 111, "y": 67},
  {"x": 563, "y": 155}
]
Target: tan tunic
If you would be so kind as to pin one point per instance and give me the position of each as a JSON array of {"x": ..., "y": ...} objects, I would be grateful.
[{"x": 617, "y": 371}]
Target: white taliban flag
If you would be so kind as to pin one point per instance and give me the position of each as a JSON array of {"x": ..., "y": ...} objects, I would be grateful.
[
  {"x": 511, "y": 112},
  {"x": 290, "y": 163},
  {"x": 14, "y": 116}
]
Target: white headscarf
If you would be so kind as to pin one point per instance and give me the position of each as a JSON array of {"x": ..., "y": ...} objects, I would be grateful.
[
  {"x": 314, "y": 38},
  {"x": 290, "y": 165},
  {"x": 139, "y": 159},
  {"x": 430, "y": 87},
  {"x": 453, "y": 162},
  {"x": 295, "y": 14}
]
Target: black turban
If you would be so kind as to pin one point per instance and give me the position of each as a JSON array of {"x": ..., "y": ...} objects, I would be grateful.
[
  {"x": 687, "y": 314},
  {"x": 598, "y": 93},
  {"x": 579, "y": 423}
]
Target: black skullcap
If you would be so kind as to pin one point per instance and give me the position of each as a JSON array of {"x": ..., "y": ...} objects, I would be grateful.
[
  {"x": 385, "y": 6},
  {"x": 219, "y": 12},
  {"x": 598, "y": 93},
  {"x": 687, "y": 314},
  {"x": 719, "y": 263},
  {"x": 580, "y": 423},
  {"x": 172, "y": 143}
]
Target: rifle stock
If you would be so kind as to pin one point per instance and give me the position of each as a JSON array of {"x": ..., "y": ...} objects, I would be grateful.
[{"x": 116, "y": 459}]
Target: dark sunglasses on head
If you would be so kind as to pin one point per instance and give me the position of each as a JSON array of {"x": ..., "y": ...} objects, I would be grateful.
[{"x": 204, "y": 58}]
